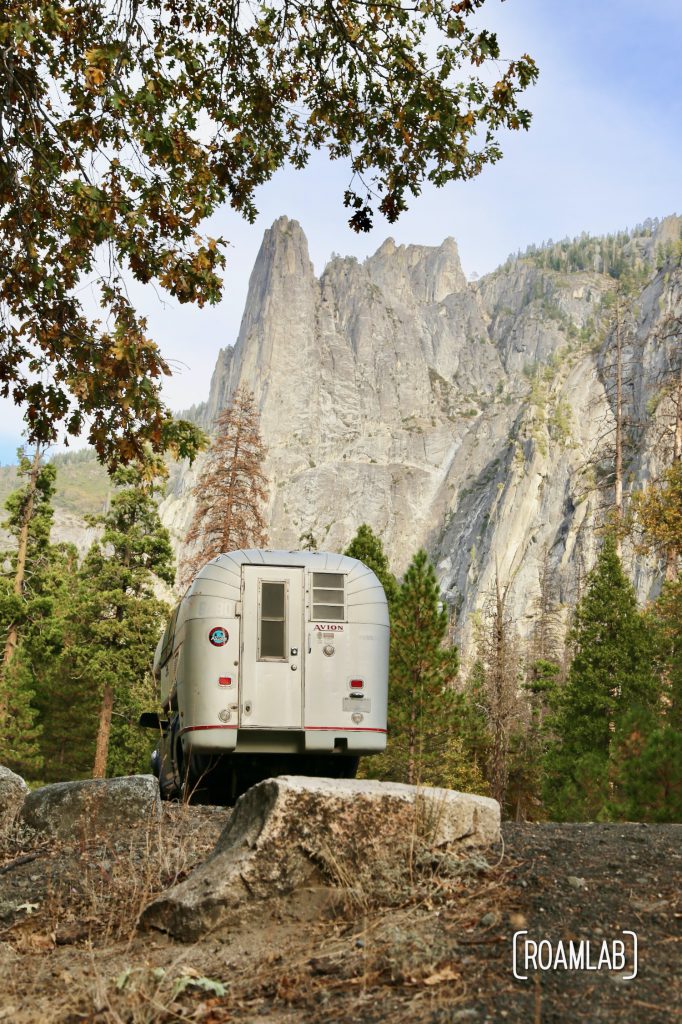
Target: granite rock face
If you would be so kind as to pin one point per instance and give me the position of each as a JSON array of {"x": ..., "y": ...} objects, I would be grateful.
[
  {"x": 282, "y": 829},
  {"x": 13, "y": 792},
  {"x": 70, "y": 810},
  {"x": 452, "y": 415}
]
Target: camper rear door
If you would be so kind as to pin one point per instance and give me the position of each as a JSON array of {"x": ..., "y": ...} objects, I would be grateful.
[{"x": 272, "y": 648}]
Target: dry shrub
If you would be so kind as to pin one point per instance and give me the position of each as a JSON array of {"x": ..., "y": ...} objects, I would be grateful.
[{"x": 96, "y": 886}]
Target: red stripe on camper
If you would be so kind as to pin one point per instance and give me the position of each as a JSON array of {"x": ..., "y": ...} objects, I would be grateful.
[
  {"x": 196, "y": 728},
  {"x": 344, "y": 728}
]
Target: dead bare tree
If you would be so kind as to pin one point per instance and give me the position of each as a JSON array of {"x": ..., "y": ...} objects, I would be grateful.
[
  {"x": 500, "y": 657},
  {"x": 231, "y": 489}
]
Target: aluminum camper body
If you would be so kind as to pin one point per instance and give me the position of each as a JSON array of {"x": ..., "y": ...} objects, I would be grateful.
[{"x": 276, "y": 652}]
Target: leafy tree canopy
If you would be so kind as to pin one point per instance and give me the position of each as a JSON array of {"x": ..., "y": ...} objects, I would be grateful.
[
  {"x": 658, "y": 511},
  {"x": 123, "y": 126}
]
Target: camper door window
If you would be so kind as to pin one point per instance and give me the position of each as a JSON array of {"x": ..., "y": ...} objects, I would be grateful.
[{"x": 272, "y": 621}]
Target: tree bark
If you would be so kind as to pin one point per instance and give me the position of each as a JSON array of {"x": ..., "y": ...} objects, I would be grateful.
[
  {"x": 229, "y": 502},
  {"x": 412, "y": 746},
  {"x": 103, "y": 732},
  {"x": 500, "y": 698}
]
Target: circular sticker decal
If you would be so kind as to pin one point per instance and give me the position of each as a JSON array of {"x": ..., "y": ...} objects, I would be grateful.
[{"x": 218, "y": 636}]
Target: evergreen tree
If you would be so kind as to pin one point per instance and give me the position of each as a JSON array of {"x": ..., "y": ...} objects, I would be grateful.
[
  {"x": 609, "y": 682},
  {"x": 120, "y": 619},
  {"x": 65, "y": 697},
  {"x": 20, "y": 731},
  {"x": 648, "y": 759},
  {"x": 231, "y": 489},
  {"x": 23, "y": 606},
  {"x": 422, "y": 747},
  {"x": 647, "y": 771},
  {"x": 308, "y": 541},
  {"x": 367, "y": 547},
  {"x": 29, "y": 522}
]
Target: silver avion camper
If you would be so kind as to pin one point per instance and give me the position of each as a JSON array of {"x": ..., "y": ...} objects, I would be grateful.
[{"x": 272, "y": 662}]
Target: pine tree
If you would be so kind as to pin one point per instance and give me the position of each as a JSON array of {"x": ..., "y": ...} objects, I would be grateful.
[
  {"x": 609, "y": 682},
  {"x": 422, "y": 747},
  {"x": 648, "y": 758},
  {"x": 66, "y": 700},
  {"x": 231, "y": 489},
  {"x": 367, "y": 547},
  {"x": 22, "y": 607},
  {"x": 29, "y": 522},
  {"x": 308, "y": 541},
  {"x": 20, "y": 731},
  {"x": 120, "y": 619}
]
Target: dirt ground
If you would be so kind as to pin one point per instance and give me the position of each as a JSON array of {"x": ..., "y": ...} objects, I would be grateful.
[{"x": 419, "y": 938}]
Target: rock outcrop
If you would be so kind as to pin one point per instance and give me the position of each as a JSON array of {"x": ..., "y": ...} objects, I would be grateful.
[
  {"x": 69, "y": 810},
  {"x": 284, "y": 831},
  {"x": 13, "y": 792},
  {"x": 458, "y": 416}
]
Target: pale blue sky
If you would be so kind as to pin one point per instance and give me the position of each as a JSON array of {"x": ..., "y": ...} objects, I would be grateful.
[{"x": 604, "y": 152}]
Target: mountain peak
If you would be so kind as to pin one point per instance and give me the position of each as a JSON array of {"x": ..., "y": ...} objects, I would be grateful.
[{"x": 428, "y": 273}]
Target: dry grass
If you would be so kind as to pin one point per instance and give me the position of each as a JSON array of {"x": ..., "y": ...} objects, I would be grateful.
[
  {"x": 373, "y": 940},
  {"x": 94, "y": 888}
]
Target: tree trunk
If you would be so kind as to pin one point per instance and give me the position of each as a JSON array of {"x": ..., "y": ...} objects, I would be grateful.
[
  {"x": 500, "y": 684},
  {"x": 229, "y": 501},
  {"x": 412, "y": 747},
  {"x": 103, "y": 732}
]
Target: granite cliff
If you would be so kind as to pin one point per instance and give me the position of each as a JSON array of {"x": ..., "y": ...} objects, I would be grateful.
[{"x": 460, "y": 416}]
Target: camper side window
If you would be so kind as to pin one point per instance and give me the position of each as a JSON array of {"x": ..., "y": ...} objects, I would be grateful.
[
  {"x": 328, "y": 597},
  {"x": 272, "y": 621}
]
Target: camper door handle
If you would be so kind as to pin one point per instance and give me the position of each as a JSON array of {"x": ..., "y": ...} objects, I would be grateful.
[{"x": 309, "y": 647}]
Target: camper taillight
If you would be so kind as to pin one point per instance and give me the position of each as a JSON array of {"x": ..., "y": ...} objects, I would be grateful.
[{"x": 357, "y": 684}]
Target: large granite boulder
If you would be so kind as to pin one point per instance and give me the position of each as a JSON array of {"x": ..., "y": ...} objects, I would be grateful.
[
  {"x": 13, "y": 792},
  {"x": 70, "y": 810},
  {"x": 284, "y": 830}
]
